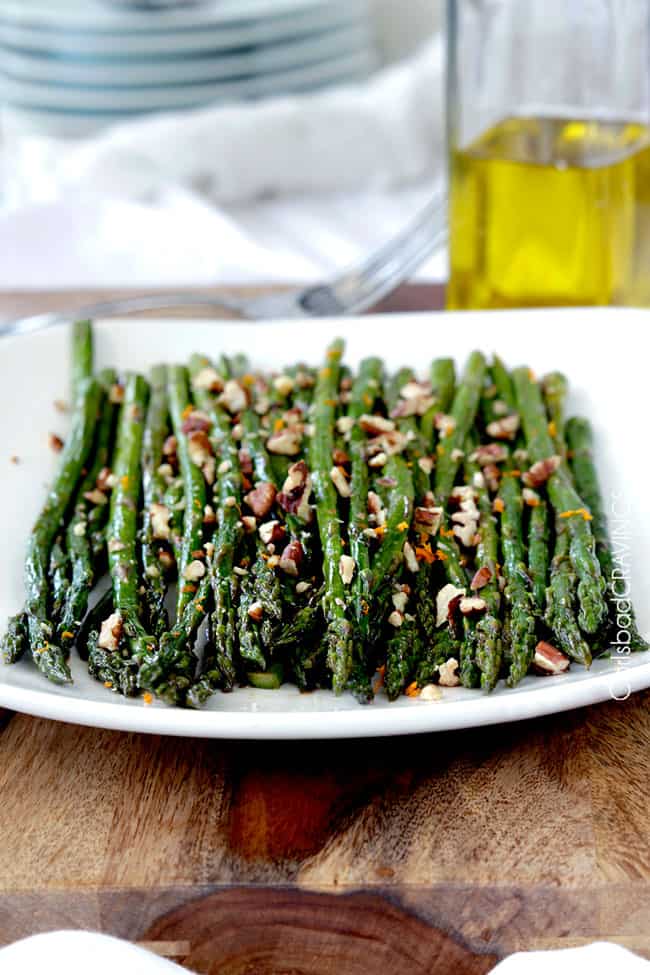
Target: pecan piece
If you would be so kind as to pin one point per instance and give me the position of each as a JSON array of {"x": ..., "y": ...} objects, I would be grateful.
[
  {"x": 481, "y": 578},
  {"x": 540, "y": 472},
  {"x": 504, "y": 428},
  {"x": 196, "y": 420},
  {"x": 292, "y": 557},
  {"x": 260, "y": 499},
  {"x": 549, "y": 660},
  {"x": 296, "y": 490}
]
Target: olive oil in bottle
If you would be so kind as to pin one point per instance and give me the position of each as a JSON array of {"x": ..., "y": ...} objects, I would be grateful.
[{"x": 548, "y": 211}]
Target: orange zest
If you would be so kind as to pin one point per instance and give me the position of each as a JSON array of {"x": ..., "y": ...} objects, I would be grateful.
[
  {"x": 278, "y": 424},
  {"x": 147, "y": 698},
  {"x": 423, "y": 553},
  {"x": 577, "y": 511},
  {"x": 447, "y": 532},
  {"x": 108, "y": 684},
  {"x": 189, "y": 588},
  {"x": 67, "y": 635},
  {"x": 412, "y": 690},
  {"x": 403, "y": 526},
  {"x": 552, "y": 428},
  {"x": 498, "y": 505},
  {"x": 441, "y": 555},
  {"x": 189, "y": 409},
  {"x": 380, "y": 530}
]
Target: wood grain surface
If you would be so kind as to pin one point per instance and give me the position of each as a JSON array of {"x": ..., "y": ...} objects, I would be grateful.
[{"x": 435, "y": 853}]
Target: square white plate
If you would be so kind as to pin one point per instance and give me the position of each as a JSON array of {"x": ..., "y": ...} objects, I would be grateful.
[{"x": 601, "y": 351}]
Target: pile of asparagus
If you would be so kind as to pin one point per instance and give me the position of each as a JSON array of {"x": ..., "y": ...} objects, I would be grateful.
[{"x": 338, "y": 530}]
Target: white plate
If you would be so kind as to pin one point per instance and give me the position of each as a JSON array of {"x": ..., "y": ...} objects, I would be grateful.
[
  {"x": 211, "y": 35},
  {"x": 219, "y": 66},
  {"x": 596, "y": 348},
  {"x": 349, "y": 67},
  {"x": 96, "y": 15}
]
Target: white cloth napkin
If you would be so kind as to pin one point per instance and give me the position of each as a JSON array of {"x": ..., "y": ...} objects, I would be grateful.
[
  {"x": 289, "y": 189},
  {"x": 72, "y": 952}
]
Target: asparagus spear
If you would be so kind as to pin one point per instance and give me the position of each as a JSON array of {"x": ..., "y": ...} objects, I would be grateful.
[
  {"x": 226, "y": 541},
  {"x": 555, "y": 388},
  {"x": 560, "y": 598},
  {"x": 364, "y": 393},
  {"x": 82, "y": 355},
  {"x": 193, "y": 482},
  {"x": 16, "y": 639},
  {"x": 538, "y": 553},
  {"x": 456, "y": 574},
  {"x": 567, "y": 503},
  {"x": 89, "y": 518},
  {"x": 336, "y": 597},
  {"x": 517, "y": 591},
  {"x": 443, "y": 382},
  {"x": 153, "y": 492},
  {"x": 580, "y": 439},
  {"x": 50, "y": 658},
  {"x": 59, "y": 577},
  {"x": 123, "y": 518},
  {"x": 488, "y": 628},
  {"x": 403, "y": 654},
  {"x": 463, "y": 413}
]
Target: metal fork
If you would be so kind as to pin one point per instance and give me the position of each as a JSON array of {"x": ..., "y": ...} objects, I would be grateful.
[{"x": 353, "y": 292}]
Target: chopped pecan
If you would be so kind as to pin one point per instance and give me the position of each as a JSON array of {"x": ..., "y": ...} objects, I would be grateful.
[
  {"x": 256, "y": 611},
  {"x": 283, "y": 385},
  {"x": 292, "y": 557},
  {"x": 346, "y": 569},
  {"x": 272, "y": 532},
  {"x": 160, "y": 515},
  {"x": 340, "y": 457},
  {"x": 245, "y": 461},
  {"x": 540, "y": 472},
  {"x": 194, "y": 571},
  {"x": 489, "y": 453},
  {"x": 296, "y": 490},
  {"x": 337, "y": 474},
  {"x": 549, "y": 660},
  {"x": 196, "y": 420},
  {"x": 285, "y": 442},
  {"x": 234, "y": 397},
  {"x": 427, "y": 520},
  {"x": 504, "y": 428},
  {"x": 260, "y": 499},
  {"x": 208, "y": 379},
  {"x": 446, "y": 601},
  {"x": 199, "y": 447},
  {"x": 472, "y": 604},
  {"x": 481, "y": 578},
  {"x": 55, "y": 443},
  {"x": 448, "y": 676},
  {"x": 111, "y": 632},
  {"x": 410, "y": 558},
  {"x": 445, "y": 424},
  {"x": 105, "y": 481},
  {"x": 375, "y": 424}
]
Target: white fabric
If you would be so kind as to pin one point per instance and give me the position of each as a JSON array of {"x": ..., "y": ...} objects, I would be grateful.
[
  {"x": 288, "y": 190},
  {"x": 72, "y": 952}
]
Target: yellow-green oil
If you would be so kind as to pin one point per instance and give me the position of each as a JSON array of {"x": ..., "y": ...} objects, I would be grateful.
[{"x": 548, "y": 211}]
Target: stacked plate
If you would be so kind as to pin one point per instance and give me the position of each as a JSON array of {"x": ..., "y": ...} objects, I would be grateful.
[{"x": 74, "y": 66}]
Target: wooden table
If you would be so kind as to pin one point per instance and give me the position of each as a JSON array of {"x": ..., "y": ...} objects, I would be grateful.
[{"x": 436, "y": 853}]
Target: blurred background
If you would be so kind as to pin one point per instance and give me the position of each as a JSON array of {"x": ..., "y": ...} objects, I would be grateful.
[{"x": 222, "y": 142}]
